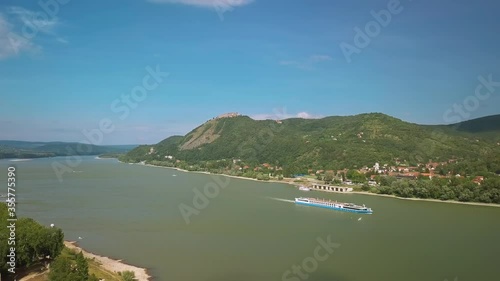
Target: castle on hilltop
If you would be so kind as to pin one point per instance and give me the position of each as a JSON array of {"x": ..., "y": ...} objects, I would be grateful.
[{"x": 228, "y": 115}]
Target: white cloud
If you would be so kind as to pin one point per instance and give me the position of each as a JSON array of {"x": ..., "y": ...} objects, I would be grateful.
[
  {"x": 308, "y": 63},
  {"x": 19, "y": 28},
  {"x": 307, "y": 115},
  {"x": 206, "y": 3},
  {"x": 283, "y": 115},
  {"x": 319, "y": 58},
  {"x": 10, "y": 43},
  {"x": 62, "y": 40},
  {"x": 34, "y": 21}
]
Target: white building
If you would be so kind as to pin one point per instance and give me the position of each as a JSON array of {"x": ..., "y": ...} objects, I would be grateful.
[{"x": 325, "y": 187}]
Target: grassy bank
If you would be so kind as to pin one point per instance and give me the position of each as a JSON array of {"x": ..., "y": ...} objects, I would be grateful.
[{"x": 95, "y": 267}]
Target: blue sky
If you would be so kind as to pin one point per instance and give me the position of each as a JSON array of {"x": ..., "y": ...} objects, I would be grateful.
[{"x": 63, "y": 67}]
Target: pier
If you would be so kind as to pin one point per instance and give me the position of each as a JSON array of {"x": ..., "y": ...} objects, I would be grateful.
[{"x": 326, "y": 187}]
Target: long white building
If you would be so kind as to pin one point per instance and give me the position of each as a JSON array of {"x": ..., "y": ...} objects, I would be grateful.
[{"x": 326, "y": 187}]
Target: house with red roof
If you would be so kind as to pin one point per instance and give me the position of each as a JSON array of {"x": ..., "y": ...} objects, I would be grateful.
[{"x": 478, "y": 180}]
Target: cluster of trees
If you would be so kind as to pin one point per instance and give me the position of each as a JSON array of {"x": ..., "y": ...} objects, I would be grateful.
[
  {"x": 33, "y": 244},
  {"x": 71, "y": 266},
  {"x": 457, "y": 189},
  {"x": 68, "y": 268},
  {"x": 484, "y": 166},
  {"x": 37, "y": 244}
]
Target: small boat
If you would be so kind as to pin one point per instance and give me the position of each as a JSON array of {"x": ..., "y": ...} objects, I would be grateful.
[
  {"x": 334, "y": 205},
  {"x": 304, "y": 188}
]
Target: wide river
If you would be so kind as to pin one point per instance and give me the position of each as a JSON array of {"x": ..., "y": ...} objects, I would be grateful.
[{"x": 252, "y": 231}]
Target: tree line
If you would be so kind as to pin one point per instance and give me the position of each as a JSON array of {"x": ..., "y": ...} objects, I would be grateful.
[
  {"x": 457, "y": 189},
  {"x": 36, "y": 244}
]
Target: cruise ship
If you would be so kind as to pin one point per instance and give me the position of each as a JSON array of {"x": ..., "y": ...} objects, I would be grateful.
[{"x": 345, "y": 207}]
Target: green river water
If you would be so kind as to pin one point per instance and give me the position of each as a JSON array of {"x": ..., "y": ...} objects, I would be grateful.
[{"x": 251, "y": 230}]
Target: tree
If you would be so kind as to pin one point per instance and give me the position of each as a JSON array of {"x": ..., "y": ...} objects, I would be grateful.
[
  {"x": 36, "y": 241},
  {"x": 387, "y": 181},
  {"x": 63, "y": 269},
  {"x": 128, "y": 276},
  {"x": 356, "y": 176},
  {"x": 82, "y": 268},
  {"x": 329, "y": 175},
  {"x": 466, "y": 195},
  {"x": 60, "y": 270}
]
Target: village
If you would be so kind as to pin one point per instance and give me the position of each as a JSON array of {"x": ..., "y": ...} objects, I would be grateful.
[{"x": 344, "y": 180}]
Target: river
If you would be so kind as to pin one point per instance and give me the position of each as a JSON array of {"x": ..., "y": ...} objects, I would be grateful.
[{"x": 251, "y": 230}]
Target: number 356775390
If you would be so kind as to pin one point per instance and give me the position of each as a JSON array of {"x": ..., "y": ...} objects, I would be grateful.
[{"x": 11, "y": 179}]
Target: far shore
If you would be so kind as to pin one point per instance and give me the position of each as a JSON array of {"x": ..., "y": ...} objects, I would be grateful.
[
  {"x": 290, "y": 181},
  {"x": 429, "y": 200},
  {"x": 111, "y": 264},
  {"x": 284, "y": 181}
]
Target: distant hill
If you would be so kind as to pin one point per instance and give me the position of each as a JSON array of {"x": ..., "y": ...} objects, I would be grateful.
[
  {"x": 485, "y": 127},
  {"x": 334, "y": 142},
  {"x": 488, "y": 126},
  {"x": 20, "y": 144},
  {"x": 24, "y": 149}
]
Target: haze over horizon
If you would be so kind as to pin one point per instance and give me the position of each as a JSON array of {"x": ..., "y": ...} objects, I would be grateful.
[{"x": 265, "y": 59}]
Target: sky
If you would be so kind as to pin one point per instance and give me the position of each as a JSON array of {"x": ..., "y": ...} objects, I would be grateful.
[{"x": 138, "y": 71}]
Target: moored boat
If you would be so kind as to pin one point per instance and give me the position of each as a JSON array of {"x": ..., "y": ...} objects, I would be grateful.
[
  {"x": 334, "y": 205},
  {"x": 304, "y": 188}
]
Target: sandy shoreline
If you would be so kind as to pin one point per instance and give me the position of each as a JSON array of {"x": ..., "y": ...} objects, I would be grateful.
[
  {"x": 354, "y": 192},
  {"x": 111, "y": 264}
]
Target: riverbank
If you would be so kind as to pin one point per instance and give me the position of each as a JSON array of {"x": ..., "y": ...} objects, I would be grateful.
[
  {"x": 291, "y": 181},
  {"x": 111, "y": 264},
  {"x": 429, "y": 200},
  {"x": 284, "y": 181}
]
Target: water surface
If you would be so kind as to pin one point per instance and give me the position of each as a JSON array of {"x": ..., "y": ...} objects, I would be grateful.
[{"x": 131, "y": 212}]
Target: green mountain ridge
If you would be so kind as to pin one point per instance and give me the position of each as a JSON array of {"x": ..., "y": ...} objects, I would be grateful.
[
  {"x": 334, "y": 142},
  {"x": 25, "y": 149}
]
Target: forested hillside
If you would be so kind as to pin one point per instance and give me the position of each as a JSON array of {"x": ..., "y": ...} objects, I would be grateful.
[{"x": 330, "y": 143}]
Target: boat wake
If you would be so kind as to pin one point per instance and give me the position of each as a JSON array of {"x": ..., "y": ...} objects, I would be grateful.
[{"x": 280, "y": 199}]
